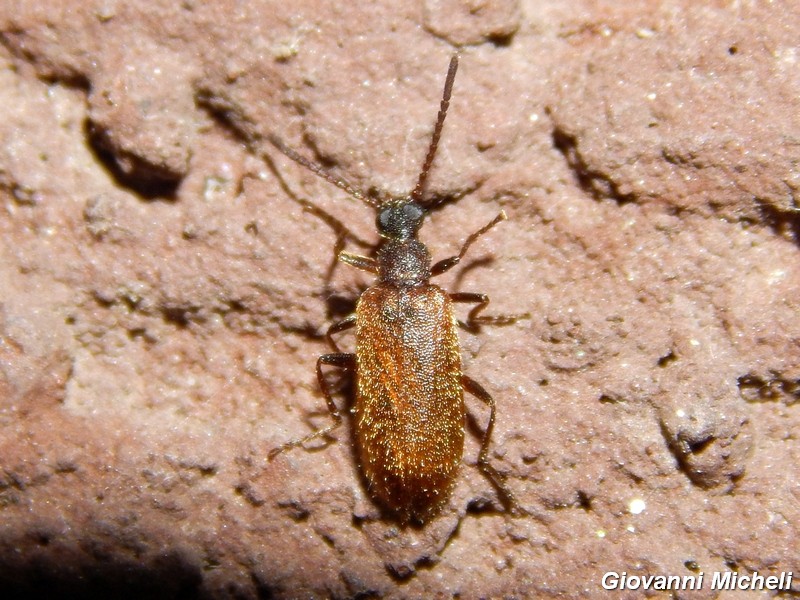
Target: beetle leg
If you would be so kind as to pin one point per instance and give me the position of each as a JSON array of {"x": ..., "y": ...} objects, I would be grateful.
[
  {"x": 343, "y": 233},
  {"x": 343, "y": 361},
  {"x": 448, "y": 263},
  {"x": 497, "y": 480},
  {"x": 474, "y": 318},
  {"x": 343, "y": 325},
  {"x": 341, "y": 230},
  {"x": 364, "y": 263}
]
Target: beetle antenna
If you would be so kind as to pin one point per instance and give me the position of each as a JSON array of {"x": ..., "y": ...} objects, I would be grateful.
[
  {"x": 416, "y": 195},
  {"x": 339, "y": 182}
]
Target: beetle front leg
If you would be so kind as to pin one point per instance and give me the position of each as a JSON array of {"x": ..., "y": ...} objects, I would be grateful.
[
  {"x": 363, "y": 263},
  {"x": 448, "y": 263}
]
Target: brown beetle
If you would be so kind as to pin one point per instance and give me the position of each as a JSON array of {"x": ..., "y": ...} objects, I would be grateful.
[{"x": 409, "y": 405}]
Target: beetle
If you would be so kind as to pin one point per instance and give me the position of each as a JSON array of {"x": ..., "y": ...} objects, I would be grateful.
[{"x": 409, "y": 403}]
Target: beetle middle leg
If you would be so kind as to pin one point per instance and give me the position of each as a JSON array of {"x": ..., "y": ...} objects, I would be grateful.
[
  {"x": 497, "y": 480},
  {"x": 475, "y": 319},
  {"x": 337, "y": 359},
  {"x": 343, "y": 325}
]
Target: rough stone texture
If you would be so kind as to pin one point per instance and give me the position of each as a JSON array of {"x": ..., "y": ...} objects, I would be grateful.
[{"x": 163, "y": 295}]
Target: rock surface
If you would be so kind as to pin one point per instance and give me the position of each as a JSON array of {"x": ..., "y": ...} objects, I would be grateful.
[{"x": 164, "y": 294}]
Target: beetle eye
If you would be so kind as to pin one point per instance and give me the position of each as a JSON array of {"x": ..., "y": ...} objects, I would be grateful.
[
  {"x": 384, "y": 218},
  {"x": 412, "y": 212}
]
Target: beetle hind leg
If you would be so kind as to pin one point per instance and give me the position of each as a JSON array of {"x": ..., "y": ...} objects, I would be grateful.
[
  {"x": 341, "y": 360},
  {"x": 492, "y": 474}
]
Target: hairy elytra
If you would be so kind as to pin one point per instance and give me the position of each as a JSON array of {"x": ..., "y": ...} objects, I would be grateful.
[{"x": 409, "y": 403}]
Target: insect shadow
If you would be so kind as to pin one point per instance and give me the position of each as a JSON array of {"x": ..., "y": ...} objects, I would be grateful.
[{"x": 409, "y": 411}]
